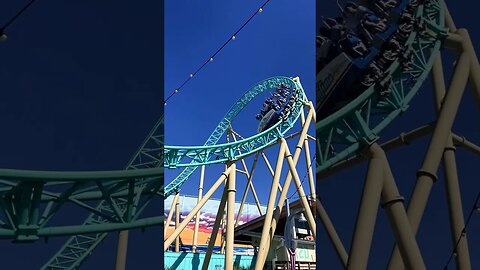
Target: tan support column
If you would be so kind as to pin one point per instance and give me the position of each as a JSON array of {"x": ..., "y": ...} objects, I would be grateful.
[
  {"x": 122, "y": 245},
  {"x": 170, "y": 214},
  {"x": 266, "y": 229},
  {"x": 230, "y": 218},
  {"x": 216, "y": 226},
  {"x": 301, "y": 193},
  {"x": 197, "y": 217},
  {"x": 196, "y": 209},
  {"x": 177, "y": 221},
  {"x": 426, "y": 176},
  {"x": 452, "y": 186},
  {"x": 367, "y": 213}
]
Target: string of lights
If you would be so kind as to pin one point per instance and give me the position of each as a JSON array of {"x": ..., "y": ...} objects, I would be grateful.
[
  {"x": 475, "y": 208},
  {"x": 9, "y": 22},
  {"x": 212, "y": 57}
]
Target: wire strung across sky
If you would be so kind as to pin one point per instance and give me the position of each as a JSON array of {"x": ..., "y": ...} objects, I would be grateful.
[
  {"x": 210, "y": 59},
  {"x": 9, "y": 22},
  {"x": 475, "y": 208},
  {"x": 304, "y": 176}
]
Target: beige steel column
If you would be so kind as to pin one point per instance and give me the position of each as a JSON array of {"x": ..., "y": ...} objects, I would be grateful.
[
  {"x": 367, "y": 213},
  {"x": 177, "y": 221},
  {"x": 308, "y": 161},
  {"x": 196, "y": 209},
  {"x": 230, "y": 218},
  {"x": 392, "y": 202},
  {"x": 170, "y": 213},
  {"x": 216, "y": 226},
  {"x": 301, "y": 193},
  {"x": 122, "y": 245},
  {"x": 197, "y": 217},
  {"x": 266, "y": 230},
  {"x": 426, "y": 176},
  {"x": 452, "y": 185},
  {"x": 288, "y": 179},
  {"x": 245, "y": 192}
]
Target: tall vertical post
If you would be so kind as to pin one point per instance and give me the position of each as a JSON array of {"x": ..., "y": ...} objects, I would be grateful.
[
  {"x": 197, "y": 217},
  {"x": 122, "y": 245},
  {"x": 216, "y": 226},
  {"x": 426, "y": 176},
  {"x": 170, "y": 214},
  {"x": 177, "y": 222},
  {"x": 367, "y": 214},
  {"x": 195, "y": 210},
  {"x": 392, "y": 202},
  {"x": 288, "y": 179},
  {"x": 452, "y": 186},
  {"x": 230, "y": 218},
  {"x": 266, "y": 229},
  {"x": 301, "y": 193}
]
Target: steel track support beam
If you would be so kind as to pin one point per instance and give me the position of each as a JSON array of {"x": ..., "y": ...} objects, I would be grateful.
[
  {"x": 249, "y": 181},
  {"x": 288, "y": 179},
  {"x": 267, "y": 232},
  {"x": 301, "y": 192},
  {"x": 122, "y": 246},
  {"x": 332, "y": 233},
  {"x": 216, "y": 226},
  {"x": 452, "y": 186},
  {"x": 308, "y": 161},
  {"x": 392, "y": 203},
  {"x": 281, "y": 201},
  {"x": 197, "y": 217},
  {"x": 367, "y": 214},
  {"x": 426, "y": 176},
  {"x": 177, "y": 221},
  {"x": 170, "y": 214},
  {"x": 270, "y": 169},
  {"x": 196, "y": 209},
  {"x": 245, "y": 192},
  {"x": 230, "y": 217}
]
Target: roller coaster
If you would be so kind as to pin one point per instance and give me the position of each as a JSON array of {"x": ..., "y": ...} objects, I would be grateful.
[{"x": 384, "y": 62}]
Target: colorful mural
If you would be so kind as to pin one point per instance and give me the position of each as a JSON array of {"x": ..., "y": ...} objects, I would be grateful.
[{"x": 207, "y": 219}]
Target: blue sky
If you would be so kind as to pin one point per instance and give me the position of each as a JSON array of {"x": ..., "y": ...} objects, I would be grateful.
[
  {"x": 279, "y": 41},
  {"x": 81, "y": 88}
]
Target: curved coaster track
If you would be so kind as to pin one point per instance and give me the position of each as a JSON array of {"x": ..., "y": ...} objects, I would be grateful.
[{"x": 32, "y": 201}]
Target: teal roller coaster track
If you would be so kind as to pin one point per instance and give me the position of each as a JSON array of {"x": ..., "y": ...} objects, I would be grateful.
[{"x": 115, "y": 200}]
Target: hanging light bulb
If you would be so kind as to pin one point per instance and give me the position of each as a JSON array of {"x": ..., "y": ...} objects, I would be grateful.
[{"x": 3, "y": 36}]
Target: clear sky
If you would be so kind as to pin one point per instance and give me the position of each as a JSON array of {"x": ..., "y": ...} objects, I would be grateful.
[
  {"x": 280, "y": 41},
  {"x": 81, "y": 88},
  {"x": 341, "y": 193}
]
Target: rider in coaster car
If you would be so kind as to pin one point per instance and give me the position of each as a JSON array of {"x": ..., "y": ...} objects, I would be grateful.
[
  {"x": 387, "y": 4},
  {"x": 373, "y": 23},
  {"x": 334, "y": 29},
  {"x": 353, "y": 45},
  {"x": 353, "y": 14}
]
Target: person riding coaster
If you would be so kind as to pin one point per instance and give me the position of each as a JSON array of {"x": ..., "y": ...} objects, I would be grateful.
[{"x": 353, "y": 46}]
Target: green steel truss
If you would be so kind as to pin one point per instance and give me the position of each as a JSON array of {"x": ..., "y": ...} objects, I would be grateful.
[
  {"x": 192, "y": 157},
  {"x": 119, "y": 202},
  {"x": 31, "y": 201},
  {"x": 343, "y": 134}
]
